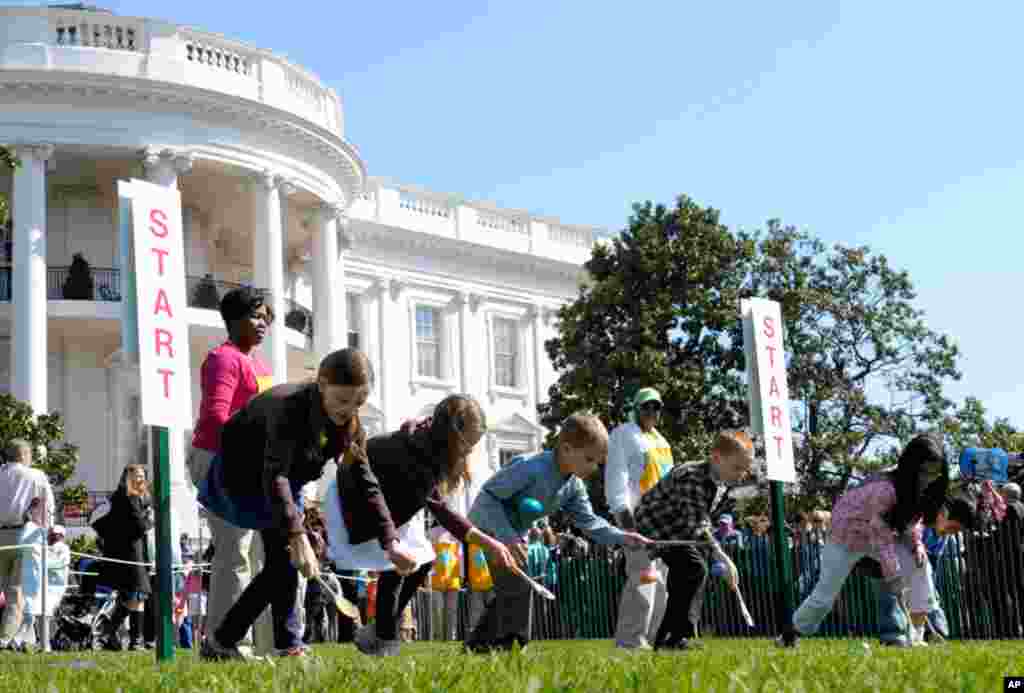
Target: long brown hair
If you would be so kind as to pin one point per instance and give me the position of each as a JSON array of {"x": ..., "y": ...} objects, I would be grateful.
[{"x": 437, "y": 436}]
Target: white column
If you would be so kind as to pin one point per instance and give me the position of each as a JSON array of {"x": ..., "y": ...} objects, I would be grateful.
[
  {"x": 268, "y": 265},
  {"x": 536, "y": 317},
  {"x": 466, "y": 303},
  {"x": 330, "y": 324},
  {"x": 28, "y": 210}
]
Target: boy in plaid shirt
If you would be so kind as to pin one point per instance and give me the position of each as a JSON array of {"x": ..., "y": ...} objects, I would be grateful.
[{"x": 679, "y": 507}]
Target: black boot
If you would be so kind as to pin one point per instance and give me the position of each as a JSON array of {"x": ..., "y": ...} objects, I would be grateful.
[
  {"x": 111, "y": 638},
  {"x": 135, "y": 630}
]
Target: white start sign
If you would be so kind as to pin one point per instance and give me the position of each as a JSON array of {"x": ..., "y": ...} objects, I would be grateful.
[
  {"x": 164, "y": 370},
  {"x": 769, "y": 393}
]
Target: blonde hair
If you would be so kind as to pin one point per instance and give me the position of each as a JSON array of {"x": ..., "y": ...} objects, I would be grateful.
[
  {"x": 581, "y": 430},
  {"x": 733, "y": 444}
]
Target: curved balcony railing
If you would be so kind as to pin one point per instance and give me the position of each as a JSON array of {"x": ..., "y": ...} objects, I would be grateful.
[
  {"x": 104, "y": 284},
  {"x": 85, "y": 40}
]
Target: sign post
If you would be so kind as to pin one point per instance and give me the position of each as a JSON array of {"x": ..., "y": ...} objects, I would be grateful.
[
  {"x": 155, "y": 334},
  {"x": 769, "y": 417}
]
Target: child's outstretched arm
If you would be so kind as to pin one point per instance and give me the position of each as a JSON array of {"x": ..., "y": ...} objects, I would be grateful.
[{"x": 577, "y": 505}]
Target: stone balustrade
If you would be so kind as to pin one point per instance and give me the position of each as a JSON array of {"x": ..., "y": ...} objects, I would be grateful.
[
  {"x": 67, "y": 40},
  {"x": 416, "y": 209}
]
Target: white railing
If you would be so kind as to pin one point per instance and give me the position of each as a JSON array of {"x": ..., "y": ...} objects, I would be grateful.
[
  {"x": 97, "y": 42},
  {"x": 95, "y": 30},
  {"x": 418, "y": 204},
  {"x": 218, "y": 57},
  {"x": 424, "y": 211},
  {"x": 567, "y": 235},
  {"x": 498, "y": 222}
]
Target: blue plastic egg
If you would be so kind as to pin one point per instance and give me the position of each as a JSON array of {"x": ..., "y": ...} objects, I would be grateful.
[{"x": 531, "y": 506}]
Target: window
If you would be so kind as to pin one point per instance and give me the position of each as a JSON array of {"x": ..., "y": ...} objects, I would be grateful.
[
  {"x": 428, "y": 342},
  {"x": 505, "y": 456},
  {"x": 353, "y": 313},
  {"x": 506, "y": 338}
]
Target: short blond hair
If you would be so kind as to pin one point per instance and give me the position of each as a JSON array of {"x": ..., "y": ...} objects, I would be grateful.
[
  {"x": 581, "y": 430},
  {"x": 733, "y": 444}
]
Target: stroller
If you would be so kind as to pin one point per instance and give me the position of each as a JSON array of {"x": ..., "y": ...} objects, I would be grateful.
[{"x": 81, "y": 618}]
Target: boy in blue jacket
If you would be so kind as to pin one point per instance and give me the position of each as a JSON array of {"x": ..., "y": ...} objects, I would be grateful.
[{"x": 529, "y": 488}]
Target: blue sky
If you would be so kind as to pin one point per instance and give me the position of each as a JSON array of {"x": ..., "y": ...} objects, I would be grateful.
[{"x": 890, "y": 124}]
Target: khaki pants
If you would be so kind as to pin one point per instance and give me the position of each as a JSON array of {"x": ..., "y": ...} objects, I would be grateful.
[
  {"x": 237, "y": 556},
  {"x": 642, "y": 605},
  {"x": 10, "y": 581}
]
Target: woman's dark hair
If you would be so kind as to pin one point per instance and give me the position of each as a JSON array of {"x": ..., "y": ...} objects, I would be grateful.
[
  {"x": 963, "y": 507},
  {"x": 921, "y": 479},
  {"x": 240, "y": 303},
  {"x": 349, "y": 367}
]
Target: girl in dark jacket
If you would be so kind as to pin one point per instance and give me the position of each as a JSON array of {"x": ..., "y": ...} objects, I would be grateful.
[{"x": 124, "y": 539}]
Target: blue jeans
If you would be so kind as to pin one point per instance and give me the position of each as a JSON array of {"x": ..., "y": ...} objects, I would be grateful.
[
  {"x": 836, "y": 563},
  {"x": 277, "y": 586},
  {"x": 892, "y": 623}
]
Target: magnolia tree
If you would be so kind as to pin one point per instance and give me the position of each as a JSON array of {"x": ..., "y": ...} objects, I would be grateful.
[{"x": 660, "y": 307}]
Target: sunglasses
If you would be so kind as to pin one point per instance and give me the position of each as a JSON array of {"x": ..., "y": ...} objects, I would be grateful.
[{"x": 650, "y": 406}]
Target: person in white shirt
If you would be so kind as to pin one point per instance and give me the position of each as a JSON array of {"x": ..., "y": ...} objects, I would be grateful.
[
  {"x": 638, "y": 456},
  {"x": 25, "y": 494}
]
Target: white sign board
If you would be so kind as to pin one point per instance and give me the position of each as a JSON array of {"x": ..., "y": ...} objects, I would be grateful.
[
  {"x": 769, "y": 392},
  {"x": 164, "y": 367}
]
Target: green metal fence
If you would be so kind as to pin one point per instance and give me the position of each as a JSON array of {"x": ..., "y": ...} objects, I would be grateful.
[{"x": 978, "y": 579}]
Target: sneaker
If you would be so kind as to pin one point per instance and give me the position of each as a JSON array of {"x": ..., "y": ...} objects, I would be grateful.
[
  {"x": 366, "y": 638},
  {"x": 789, "y": 638},
  {"x": 388, "y": 648},
  {"x": 642, "y": 646},
  {"x": 297, "y": 651},
  {"x": 894, "y": 643},
  {"x": 213, "y": 650}
]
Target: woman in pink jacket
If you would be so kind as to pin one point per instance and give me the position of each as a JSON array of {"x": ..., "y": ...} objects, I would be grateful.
[{"x": 231, "y": 375}]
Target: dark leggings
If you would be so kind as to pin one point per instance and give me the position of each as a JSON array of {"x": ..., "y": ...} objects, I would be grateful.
[{"x": 393, "y": 594}]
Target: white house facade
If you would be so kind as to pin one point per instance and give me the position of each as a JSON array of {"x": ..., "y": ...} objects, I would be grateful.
[{"x": 444, "y": 294}]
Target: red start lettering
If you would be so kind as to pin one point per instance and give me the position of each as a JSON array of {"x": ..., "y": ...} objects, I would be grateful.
[
  {"x": 162, "y": 304},
  {"x": 769, "y": 328},
  {"x": 778, "y": 444},
  {"x": 160, "y": 255},
  {"x": 776, "y": 416},
  {"x": 166, "y": 373},
  {"x": 771, "y": 356},
  {"x": 164, "y": 339},
  {"x": 158, "y": 223},
  {"x": 773, "y": 388}
]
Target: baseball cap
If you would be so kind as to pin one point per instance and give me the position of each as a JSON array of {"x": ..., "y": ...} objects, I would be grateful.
[
  {"x": 725, "y": 517},
  {"x": 645, "y": 395},
  {"x": 58, "y": 529}
]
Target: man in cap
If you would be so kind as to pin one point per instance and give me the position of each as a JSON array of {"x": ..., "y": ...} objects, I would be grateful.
[{"x": 638, "y": 457}]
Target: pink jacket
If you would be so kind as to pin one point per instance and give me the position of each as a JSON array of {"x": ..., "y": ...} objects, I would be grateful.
[
  {"x": 857, "y": 523},
  {"x": 229, "y": 379}
]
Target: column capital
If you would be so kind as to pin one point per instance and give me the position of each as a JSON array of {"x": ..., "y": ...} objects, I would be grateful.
[
  {"x": 396, "y": 287},
  {"x": 467, "y": 298},
  {"x": 268, "y": 180},
  {"x": 164, "y": 163},
  {"x": 36, "y": 150}
]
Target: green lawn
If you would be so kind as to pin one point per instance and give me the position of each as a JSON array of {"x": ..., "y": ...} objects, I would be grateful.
[{"x": 726, "y": 665}]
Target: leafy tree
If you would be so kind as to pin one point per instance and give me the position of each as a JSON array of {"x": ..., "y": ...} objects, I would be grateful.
[
  {"x": 968, "y": 427},
  {"x": 656, "y": 310},
  {"x": 851, "y": 331},
  {"x": 18, "y": 421},
  {"x": 660, "y": 307}
]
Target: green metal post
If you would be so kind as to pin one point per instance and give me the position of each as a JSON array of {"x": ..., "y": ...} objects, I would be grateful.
[
  {"x": 164, "y": 583},
  {"x": 785, "y": 604}
]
